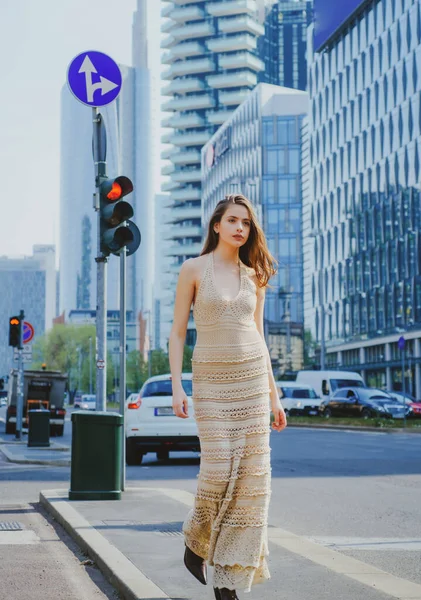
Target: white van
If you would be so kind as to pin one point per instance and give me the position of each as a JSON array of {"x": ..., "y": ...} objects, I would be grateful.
[
  {"x": 298, "y": 398},
  {"x": 327, "y": 382}
]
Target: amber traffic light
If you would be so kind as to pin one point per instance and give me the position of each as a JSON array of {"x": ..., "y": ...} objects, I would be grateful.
[{"x": 15, "y": 332}]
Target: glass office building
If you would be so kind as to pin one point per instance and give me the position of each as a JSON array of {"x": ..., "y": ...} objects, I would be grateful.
[
  {"x": 257, "y": 152},
  {"x": 283, "y": 47},
  {"x": 362, "y": 208}
]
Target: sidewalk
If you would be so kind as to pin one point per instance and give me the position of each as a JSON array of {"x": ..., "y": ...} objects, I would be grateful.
[
  {"x": 56, "y": 454},
  {"x": 138, "y": 544}
]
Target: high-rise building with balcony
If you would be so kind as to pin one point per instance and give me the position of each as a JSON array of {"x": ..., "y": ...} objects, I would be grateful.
[{"x": 212, "y": 57}]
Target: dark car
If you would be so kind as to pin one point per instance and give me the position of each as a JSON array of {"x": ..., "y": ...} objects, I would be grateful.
[{"x": 363, "y": 402}]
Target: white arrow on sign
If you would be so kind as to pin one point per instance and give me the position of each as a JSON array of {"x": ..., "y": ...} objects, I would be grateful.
[{"x": 105, "y": 85}]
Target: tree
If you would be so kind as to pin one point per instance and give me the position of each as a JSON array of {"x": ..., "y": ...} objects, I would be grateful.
[
  {"x": 65, "y": 348},
  {"x": 310, "y": 346},
  {"x": 137, "y": 371}
]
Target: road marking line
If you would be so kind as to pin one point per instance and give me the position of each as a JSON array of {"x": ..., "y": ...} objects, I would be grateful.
[
  {"x": 359, "y": 543},
  {"x": 16, "y": 538},
  {"x": 326, "y": 557},
  {"x": 118, "y": 569}
]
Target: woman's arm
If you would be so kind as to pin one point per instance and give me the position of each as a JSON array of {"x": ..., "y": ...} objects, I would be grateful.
[
  {"x": 277, "y": 409},
  {"x": 183, "y": 299}
]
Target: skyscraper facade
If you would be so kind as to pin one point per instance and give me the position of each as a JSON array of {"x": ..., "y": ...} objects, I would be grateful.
[
  {"x": 283, "y": 48},
  {"x": 27, "y": 283},
  {"x": 213, "y": 63},
  {"x": 363, "y": 205},
  {"x": 129, "y": 137}
]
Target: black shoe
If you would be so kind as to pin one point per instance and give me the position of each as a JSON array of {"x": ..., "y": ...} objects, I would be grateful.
[
  {"x": 196, "y": 565},
  {"x": 225, "y": 594}
]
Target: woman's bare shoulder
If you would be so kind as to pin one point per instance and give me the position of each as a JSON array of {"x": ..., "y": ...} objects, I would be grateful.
[{"x": 195, "y": 267}]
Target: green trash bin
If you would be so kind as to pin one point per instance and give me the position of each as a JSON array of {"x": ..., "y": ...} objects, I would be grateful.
[
  {"x": 39, "y": 427},
  {"x": 96, "y": 461}
]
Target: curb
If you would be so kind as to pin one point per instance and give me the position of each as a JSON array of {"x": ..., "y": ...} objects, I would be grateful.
[
  {"x": 127, "y": 579},
  {"x": 356, "y": 428},
  {"x": 64, "y": 462}
]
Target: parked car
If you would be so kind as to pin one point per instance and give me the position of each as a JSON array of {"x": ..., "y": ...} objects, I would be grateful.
[
  {"x": 363, "y": 402},
  {"x": 326, "y": 383},
  {"x": 77, "y": 400},
  {"x": 151, "y": 425},
  {"x": 298, "y": 398},
  {"x": 409, "y": 400},
  {"x": 87, "y": 402}
]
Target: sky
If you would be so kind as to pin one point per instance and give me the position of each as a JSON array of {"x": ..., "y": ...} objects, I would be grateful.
[{"x": 38, "y": 41}]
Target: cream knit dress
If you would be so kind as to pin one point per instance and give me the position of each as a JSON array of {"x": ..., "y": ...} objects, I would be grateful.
[{"x": 228, "y": 524}]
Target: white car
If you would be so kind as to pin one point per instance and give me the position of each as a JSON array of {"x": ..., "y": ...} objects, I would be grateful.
[
  {"x": 88, "y": 402},
  {"x": 298, "y": 398},
  {"x": 151, "y": 425}
]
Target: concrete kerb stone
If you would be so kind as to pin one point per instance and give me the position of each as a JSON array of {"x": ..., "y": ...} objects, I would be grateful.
[
  {"x": 128, "y": 580},
  {"x": 54, "y": 462},
  {"x": 355, "y": 428}
]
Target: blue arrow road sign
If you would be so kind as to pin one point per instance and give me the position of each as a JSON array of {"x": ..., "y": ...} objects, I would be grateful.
[
  {"x": 401, "y": 343},
  {"x": 94, "y": 78}
]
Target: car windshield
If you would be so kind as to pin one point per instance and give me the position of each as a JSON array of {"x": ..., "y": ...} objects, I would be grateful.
[
  {"x": 163, "y": 387},
  {"x": 298, "y": 392},
  {"x": 89, "y": 399},
  {"x": 342, "y": 383},
  {"x": 379, "y": 397}
]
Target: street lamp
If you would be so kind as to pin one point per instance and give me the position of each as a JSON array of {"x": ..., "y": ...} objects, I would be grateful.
[
  {"x": 90, "y": 365},
  {"x": 314, "y": 234},
  {"x": 149, "y": 313}
]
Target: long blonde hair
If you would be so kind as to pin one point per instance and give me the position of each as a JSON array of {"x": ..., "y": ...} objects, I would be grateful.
[{"x": 255, "y": 252}]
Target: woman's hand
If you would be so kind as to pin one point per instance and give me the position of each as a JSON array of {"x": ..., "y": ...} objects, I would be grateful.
[
  {"x": 280, "y": 420},
  {"x": 180, "y": 404}
]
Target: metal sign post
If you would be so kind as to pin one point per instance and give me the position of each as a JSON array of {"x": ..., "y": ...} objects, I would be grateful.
[
  {"x": 100, "y": 153},
  {"x": 95, "y": 80},
  {"x": 401, "y": 346},
  {"x": 19, "y": 403},
  {"x": 123, "y": 359}
]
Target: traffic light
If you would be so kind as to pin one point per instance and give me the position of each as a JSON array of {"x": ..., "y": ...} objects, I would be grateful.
[
  {"x": 44, "y": 366},
  {"x": 115, "y": 212},
  {"x": 15, "y": 325},
  {"x": 1, "y": 384}
]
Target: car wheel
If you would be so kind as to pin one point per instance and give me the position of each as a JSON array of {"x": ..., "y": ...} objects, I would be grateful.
[
  {"x": 163, "y": 455},
  {"x": 133, "y": 454},
  {"x": 366, "y": 413},
  {"x": 59, "y": 430},
  {"x": 327, "y": 413}
]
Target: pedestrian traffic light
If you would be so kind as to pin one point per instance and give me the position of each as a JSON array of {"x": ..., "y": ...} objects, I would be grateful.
[
  {"x": 115, "y": 213},
  {"x": 15, "y": 332}
]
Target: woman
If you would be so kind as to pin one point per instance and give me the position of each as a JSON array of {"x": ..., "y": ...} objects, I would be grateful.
[{"x": 232, "y": 384}]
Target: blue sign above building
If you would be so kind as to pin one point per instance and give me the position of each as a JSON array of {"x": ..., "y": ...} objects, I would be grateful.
[
  {"x": 329, "y": 16},
  {"x": 94, "y": 78}
]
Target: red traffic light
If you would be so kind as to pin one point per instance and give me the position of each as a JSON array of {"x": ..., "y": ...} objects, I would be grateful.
[
  {"x": 14, "y": 321},
  {"x": 115, "y": 192}
]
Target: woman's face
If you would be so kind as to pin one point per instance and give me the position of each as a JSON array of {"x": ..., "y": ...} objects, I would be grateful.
[{"x": 234, "y": 227}]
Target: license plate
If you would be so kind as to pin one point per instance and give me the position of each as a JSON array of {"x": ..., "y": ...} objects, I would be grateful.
[
  {"x": 312, "y": 412},
  {"x": 164, "y": 411}
]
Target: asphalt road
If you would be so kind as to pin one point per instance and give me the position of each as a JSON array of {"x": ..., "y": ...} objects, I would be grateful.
[{"x": 356, "y": 492}]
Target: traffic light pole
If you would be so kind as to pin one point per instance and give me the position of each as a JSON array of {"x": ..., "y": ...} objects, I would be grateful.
[
  {"x": 19, "y": 400},
  {"x": 99, "y": 153},
  {"x": 123, "y": 358}
]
